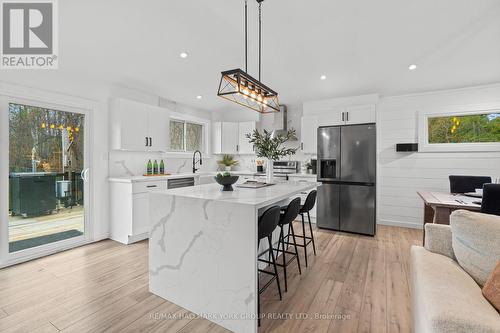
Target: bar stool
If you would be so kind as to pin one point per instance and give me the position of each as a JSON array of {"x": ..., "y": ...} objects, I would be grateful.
[
  {"x": 304, "y": 209},
  {"x": 266, "y": 225},
  {"x": 288, "y": 215}
]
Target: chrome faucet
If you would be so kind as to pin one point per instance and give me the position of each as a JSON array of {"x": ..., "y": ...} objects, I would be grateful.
[{"x": 195, "y": 161}]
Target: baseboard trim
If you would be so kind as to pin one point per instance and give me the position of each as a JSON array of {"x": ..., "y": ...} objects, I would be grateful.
[
  {"x": 137, "y": 238},
  {"x": 400, "y": 224}
]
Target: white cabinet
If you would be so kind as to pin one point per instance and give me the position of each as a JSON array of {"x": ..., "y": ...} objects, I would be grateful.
[
  {"x": 334, "y": 117},
  {"x": 360, "y": 114},
  {"x": 139, "y": 127},
  {"x": 229, "y": 137},
  {"x": 303, "y": 195},
  {"x": 225, "y": 138},
  {"x": 244, "y": 128},
  {"x": 130, "y": 209},
  {"x": 308, "y": 135},
  {"x": 349, "y": 115},
  {"x": 158, "y": 128}
]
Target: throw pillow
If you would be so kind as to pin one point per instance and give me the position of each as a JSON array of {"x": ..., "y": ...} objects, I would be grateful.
[{"x": 476, "y": 242}]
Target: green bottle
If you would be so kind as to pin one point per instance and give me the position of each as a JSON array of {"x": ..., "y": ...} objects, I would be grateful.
[
  {"x": 149, "y": 168},
  {"x": 155, "y": 167},
  {"x": 162, "y": 167}
]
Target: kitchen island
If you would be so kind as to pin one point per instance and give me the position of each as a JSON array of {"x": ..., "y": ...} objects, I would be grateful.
[{"x": 203, "y": 248}]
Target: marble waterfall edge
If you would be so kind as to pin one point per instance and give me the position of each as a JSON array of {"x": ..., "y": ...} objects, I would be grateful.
[{"x": 199, "y": 255}]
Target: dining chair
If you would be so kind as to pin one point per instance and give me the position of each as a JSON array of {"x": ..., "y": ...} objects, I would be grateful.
[
  {"x": 491, "y": 199},
  {"x": 464, "y": 184}
]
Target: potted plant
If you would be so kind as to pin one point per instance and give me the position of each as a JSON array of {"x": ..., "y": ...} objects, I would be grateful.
[
  {"x": 227, "y": 161},
  {"x": 270, "y": 146}
]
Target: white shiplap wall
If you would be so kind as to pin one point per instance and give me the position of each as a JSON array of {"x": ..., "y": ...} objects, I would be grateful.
[{"x": 400, "y": 175}]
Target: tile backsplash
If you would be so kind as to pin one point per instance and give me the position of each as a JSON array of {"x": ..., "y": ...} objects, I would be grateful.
[{"x": 123, "y": 163}]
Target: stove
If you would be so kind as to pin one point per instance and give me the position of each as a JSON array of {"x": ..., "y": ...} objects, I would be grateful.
[{"x": 282, "y": 169}]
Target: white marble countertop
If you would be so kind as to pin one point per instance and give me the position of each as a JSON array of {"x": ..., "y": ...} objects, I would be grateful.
[
  {"x": 258, "y": 198},
  {"x": 140, "y": 178},
  {"x": 133, "y": 179},
  {"x": 302, "y": 175}
]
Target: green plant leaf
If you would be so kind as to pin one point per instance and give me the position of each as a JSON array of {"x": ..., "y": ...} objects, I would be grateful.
[{"x": 269, "y": 146}]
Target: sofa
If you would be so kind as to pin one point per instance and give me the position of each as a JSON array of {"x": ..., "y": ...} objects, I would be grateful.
[{"x": 445, "y": 296}]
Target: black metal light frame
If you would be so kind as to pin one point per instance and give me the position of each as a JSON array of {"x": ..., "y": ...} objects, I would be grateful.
[{"x": 238, "y": 86}]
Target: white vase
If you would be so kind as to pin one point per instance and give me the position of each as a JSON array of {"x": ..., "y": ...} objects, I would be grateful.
[{"x": 269, "y": 172}]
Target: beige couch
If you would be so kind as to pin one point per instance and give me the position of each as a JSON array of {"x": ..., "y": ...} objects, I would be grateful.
[{"x": 446, "y": 299}]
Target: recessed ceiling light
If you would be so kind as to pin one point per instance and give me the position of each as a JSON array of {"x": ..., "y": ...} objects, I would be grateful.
[
  {"x": 323, "y": 77},
  {"x": 183, "y": 55},
  {"x": 412, "y": 67},
  {"x": 199, "y": 97}
]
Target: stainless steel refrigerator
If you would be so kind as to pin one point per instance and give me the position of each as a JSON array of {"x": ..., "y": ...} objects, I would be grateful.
[{"x": 347, "y": 170}]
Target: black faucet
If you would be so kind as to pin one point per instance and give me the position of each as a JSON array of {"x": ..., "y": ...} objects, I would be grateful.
[{"x": 195, "y": 161}]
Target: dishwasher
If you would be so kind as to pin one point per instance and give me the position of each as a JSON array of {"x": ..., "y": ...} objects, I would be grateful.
[{"x": 180, "y": 182}]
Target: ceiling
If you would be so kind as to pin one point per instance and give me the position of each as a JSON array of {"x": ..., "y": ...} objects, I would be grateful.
[{"x": 362, "y": 46}]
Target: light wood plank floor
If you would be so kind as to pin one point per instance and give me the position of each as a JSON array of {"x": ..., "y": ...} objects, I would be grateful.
[{"x": 354, "y": 284}]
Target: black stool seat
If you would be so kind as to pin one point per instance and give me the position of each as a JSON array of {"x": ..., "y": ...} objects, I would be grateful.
[
  {"x": 304, "y": 209},
  {"x": 287, "y": 216}
]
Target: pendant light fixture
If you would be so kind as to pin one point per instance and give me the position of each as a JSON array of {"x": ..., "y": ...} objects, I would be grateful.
[{"x": 238, "y": 86}]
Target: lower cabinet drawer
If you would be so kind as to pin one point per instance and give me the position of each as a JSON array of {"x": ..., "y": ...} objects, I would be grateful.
[{"x": 143, "y": 187}]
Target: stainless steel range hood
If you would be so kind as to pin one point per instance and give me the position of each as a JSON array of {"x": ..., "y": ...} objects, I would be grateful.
[{"x": 280, "y": 123}]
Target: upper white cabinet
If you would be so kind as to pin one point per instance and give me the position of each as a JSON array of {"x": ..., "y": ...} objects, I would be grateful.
[
  {"x": 244, "y": 128},
  {"x": 229, "y": 137},
  {"x": 139, "y": 127},
  {"x": 349, "y": 115},
  {"x": 360, "y": 114},
  {"x": 308, "y": 136},
  {"x": 158, "y": 128}
]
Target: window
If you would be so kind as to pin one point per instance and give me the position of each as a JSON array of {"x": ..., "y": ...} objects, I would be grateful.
[
  {"x": 186, "y": 136},
  {"x": 460, "y": 131},
  {"x": 464, "y": 129}
]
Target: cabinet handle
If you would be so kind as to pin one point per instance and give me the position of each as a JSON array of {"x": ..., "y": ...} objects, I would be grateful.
[
  {"x": 302, "y": 146},
  {"x": 237, "y": 147},
  {"x": 347, "y": 116},
  {"x": 342, "y": 116},
  {"x": 146, "y": 141},
  {"x": 149, "y": 186},
  {"x": 150, "y": 141}
]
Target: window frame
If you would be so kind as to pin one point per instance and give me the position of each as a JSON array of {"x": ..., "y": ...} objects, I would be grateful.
[
  {"x": 205, "y": 123},
  {"x": 423, "y": 130}
]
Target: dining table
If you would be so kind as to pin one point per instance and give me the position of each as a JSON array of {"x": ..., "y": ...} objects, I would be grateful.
[{"x": 438, "y": 206}]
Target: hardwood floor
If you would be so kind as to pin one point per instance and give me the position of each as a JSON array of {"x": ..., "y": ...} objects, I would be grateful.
[{"x": 354, "y": 284}]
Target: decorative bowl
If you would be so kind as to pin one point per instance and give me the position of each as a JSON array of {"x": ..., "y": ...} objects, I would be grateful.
[{"x": 226, "y": 182}]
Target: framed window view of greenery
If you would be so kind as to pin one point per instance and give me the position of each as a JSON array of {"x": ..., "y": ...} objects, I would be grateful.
[
  {"x": 186, "y": 136},
  {"x": 460, "y": 131}
]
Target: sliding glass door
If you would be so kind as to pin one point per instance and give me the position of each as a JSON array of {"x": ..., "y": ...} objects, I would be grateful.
[{"x": 47, "y": 173}]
